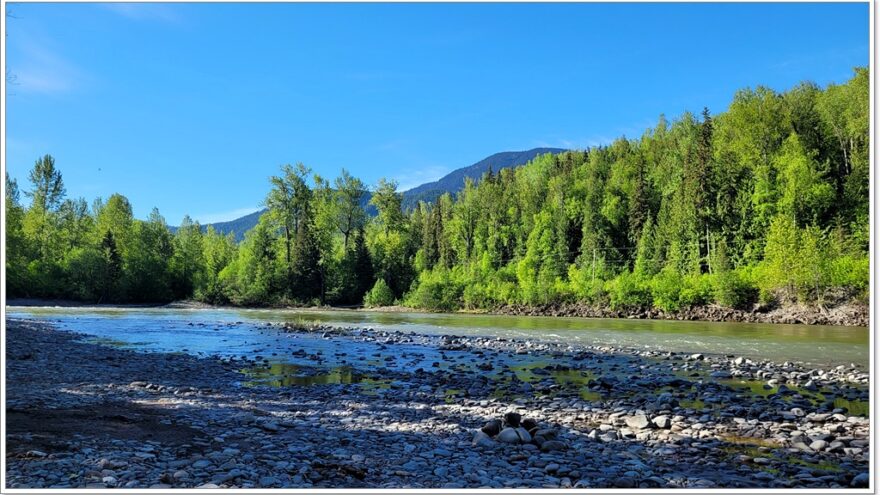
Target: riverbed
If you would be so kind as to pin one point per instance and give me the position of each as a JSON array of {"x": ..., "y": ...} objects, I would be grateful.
[{"x": 168, "y": 398}]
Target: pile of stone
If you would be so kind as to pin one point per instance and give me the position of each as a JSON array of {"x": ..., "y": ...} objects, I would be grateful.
[{"x": 512, "y": 429}]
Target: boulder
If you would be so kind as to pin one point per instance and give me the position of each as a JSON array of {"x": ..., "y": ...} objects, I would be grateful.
[
  {"x": 860, "y": 481},
  {"x": 547, "y": 433},
  {"x": 529, "y": 424},
  {"x": 482, "y": 440},
  {"x": 514, "y": 435},
  {"x": 492, "y": 428},
  {"x": 819, "y": 445},
  {"x": 551, "y": 445},
  {"x": 662, "y": 421},
  {"x": 638, "y": 422},
  {"x": 512, "y": 419}
]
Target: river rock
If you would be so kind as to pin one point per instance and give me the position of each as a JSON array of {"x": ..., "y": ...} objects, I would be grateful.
[
  {"x": 547, "y": 433},
  {"x": 414, "y": 440},
  {"x": 551, "y": 445},
  {"x": 492, "y": 428},
  {"x": 512, "y": 419},
  {"x": 481, "y": 439},
  {"x": 270, "y": 426},
  {"x": 514, "y": 435},
  {"x": 801, "y": 446},
  {"x": 638, "y": 422},
  {"x": 860, "y": 481},
  {"x": 819, "y": 445},
  {"x": 662, "y": 421}
]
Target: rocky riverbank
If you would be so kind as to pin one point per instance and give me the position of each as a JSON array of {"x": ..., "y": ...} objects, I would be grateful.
[
  {"x": 81, "y": 414},
  {"x": 845, "y": 314}
]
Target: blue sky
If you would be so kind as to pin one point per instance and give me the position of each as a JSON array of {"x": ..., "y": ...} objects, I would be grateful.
[{"x": 191, "y": 107}]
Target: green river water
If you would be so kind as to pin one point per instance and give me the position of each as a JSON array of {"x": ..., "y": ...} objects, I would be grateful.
[{"x": 170, "y": 330}]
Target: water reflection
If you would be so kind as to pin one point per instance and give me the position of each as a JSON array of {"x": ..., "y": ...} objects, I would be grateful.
[
  {"x": 854, "y": 407},
  {"x": 286, "y": 375}
]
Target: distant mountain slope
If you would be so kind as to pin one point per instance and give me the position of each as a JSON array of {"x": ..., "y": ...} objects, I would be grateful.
[
  {"x": 429, "y": 192},
  {"x": 454, "y": 181},
  {"x": 239, "y": 225}
]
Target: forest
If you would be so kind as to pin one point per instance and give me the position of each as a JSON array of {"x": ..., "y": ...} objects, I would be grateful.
[{"x": 766, "y": 202}]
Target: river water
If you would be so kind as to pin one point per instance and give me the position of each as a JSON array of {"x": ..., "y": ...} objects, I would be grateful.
[{"x": 207, "y": 332}]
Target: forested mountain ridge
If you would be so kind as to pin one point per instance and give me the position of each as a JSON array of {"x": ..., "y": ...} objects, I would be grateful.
[
  {"x": 766, "y": 202},
  {"x": 454, "y": 181},
  {"x": 429, "y": 192}
]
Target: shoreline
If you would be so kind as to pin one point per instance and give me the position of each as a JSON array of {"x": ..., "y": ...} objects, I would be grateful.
[
  {"x": 851, "y": 314},
  {"x": 168, "y": 420}
]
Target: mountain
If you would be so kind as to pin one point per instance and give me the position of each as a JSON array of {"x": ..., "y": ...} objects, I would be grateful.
[
  {"x": 239, "y": 225},
  {"x": 454, "y": 181},
  {"x": 429, "y": 192}
]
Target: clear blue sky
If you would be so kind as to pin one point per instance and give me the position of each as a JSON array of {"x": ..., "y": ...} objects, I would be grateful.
[{"x": 191, "y": 107}]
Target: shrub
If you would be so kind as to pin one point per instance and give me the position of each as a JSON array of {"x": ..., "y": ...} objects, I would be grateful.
[
  {"x": 379, "y": 295},
  {"x": 584, "y": 286},
  {"x": 628, "y": 290},
  {"x": 666, "y": 289},
  {"x": 696, "y": 290},
  {"x": 733, "y": 289},
  {"x": 437, "y": 290},
  {"x": 851, "y": 272}
]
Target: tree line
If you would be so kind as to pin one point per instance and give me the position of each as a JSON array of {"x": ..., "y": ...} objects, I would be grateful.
[{"x": 765, "y": 202}]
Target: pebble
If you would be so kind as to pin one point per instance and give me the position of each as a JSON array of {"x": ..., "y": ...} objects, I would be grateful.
[{"x": 632, "y": 433}]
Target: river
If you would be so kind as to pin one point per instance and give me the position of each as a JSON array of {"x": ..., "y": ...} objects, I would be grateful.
[{"x": 207, "y": 331}]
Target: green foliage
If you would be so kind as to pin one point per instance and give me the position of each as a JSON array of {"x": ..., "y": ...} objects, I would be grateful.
[
  {"x": 86, "y": 274},
  {"x": 17, "y": 245},
  {"x": 696, "y": 290},
  {"x": 350, "y": 216},
  {"x": 219, "y": 252},
  {"x": 588, "y": 283},
  {"x": 768, "y": 199},
  {"x": 379, "y": 295},
  {"x": 48, "y": 186},
  {"x": 438, "y": 290},
  {"x": 628, "y": 290},
  {"x": 732, "y": 290},
  {"x": 149, "y": 276},
  {"x": 387, "y": 201},
  {"x": 666, "y": 289},
  {"x": 804, "y": 194},
  {"x": 109, "y": 269},
  {"x": 851, "y": 271}
]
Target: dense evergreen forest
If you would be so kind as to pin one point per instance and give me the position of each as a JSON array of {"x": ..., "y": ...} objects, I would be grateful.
[{"x": 766, "y": 202}]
